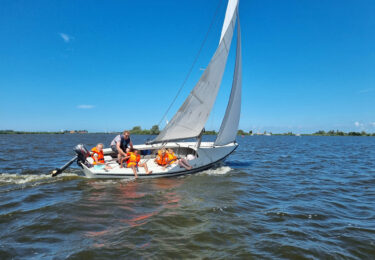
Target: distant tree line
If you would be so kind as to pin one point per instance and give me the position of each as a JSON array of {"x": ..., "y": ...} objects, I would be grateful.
[
  {"x": 320, "y": 133},
  {"x": 75, "y": 131},
  {"x": 137, "y": 130},
  {"x": 210, "y": 132},
  {"x": 341, "y": 133},
  {"x": 242, "y": 132},
  {"x": 9, "y": 132}
]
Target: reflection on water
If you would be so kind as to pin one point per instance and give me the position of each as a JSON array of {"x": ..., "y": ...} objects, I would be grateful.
[
  {"x": 275, "y": 197},
  {"x": 126, "y": 197}
]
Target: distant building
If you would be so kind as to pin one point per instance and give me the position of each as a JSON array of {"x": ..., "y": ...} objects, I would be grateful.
[{"x": 75, "y": 131}]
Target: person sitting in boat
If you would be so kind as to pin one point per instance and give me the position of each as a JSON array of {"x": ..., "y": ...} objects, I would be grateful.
[
  {"x": 171, "y": 158},
  {"x": 161, "y": 157},
  {"x": 120, "y": 143},
  {"x": 98, "y": 156},
  {"x": 132, "y": 159}
]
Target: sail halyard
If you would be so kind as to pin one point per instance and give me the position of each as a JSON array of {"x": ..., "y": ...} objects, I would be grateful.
[
  {"x": 190, "y": 119},
  {"x": 229, "y": 126}
]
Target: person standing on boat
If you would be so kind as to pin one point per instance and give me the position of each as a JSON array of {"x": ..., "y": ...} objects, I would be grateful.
[{"x": 120, "y": 143}]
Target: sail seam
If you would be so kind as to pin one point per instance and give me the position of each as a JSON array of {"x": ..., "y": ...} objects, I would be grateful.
[
  {"x": 193, "y": 94},
  {"x": 225, "y": 45},
  {"x": 185, "y": 127}
]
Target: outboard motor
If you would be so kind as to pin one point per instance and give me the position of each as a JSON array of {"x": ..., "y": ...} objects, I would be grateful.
[{"x": 82, "y": 154}]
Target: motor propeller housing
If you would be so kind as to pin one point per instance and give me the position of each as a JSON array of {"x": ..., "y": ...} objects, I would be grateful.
[{"x": 82, "y": 153}]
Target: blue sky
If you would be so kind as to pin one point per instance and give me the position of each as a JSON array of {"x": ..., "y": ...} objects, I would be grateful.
[{"x": 110, "y": 65}]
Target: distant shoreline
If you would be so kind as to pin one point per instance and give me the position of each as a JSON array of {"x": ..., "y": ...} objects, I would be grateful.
[
  {"x": 27, "y": 133},
  {"x": 241, "y": 133}
]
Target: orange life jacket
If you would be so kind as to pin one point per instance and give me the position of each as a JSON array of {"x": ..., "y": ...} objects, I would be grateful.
[
  {"x": 160, "y": 159},
  {"x": 170, "y": 158},
  {"x": 133, "y": 159},
  {"x": 100, "y": 155}
]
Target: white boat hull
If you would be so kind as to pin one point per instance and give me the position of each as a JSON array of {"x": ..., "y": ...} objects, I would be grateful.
[{"x": 207, "y": 156}]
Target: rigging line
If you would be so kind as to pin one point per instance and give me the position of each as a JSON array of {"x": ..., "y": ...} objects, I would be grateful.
[{"x": 194, "y": 62}]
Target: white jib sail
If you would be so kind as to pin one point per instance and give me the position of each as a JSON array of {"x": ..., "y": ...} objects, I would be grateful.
[
  {"x": 229, "y": 126},
  {"x": 190, "y": 119}
]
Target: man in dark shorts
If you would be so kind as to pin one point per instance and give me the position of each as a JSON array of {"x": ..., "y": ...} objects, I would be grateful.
[{"x": 120, "y": 143}]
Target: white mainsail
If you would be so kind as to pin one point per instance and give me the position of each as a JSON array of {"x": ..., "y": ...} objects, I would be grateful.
[
  {"x": 190, "y": 119},
  {"x": 229, "y": 126}
]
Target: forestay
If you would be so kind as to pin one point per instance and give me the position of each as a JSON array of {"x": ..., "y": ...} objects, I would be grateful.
[
  {"x": 190, "y": 119},
  {"x": 229, "y": 126}
]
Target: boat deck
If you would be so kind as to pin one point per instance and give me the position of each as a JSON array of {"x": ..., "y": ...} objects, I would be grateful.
[
  {"x": 204, "y": 157},
  {"x": 152, "y": 166}
]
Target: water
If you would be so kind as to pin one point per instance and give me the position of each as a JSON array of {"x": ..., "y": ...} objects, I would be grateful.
[{"x": 275, "y": 197}]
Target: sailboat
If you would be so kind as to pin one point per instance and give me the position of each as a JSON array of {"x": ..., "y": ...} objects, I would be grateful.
[{"x": 190, "y": 119}]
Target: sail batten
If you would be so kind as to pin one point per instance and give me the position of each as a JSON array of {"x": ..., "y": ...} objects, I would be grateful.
[
  {"x": 190, "y": 119},
  {"x": 229, "y": 126}
]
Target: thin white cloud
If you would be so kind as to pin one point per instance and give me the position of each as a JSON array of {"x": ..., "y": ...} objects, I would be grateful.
[
  {"x": 85, "y": 106},
  {"x": 358, "y": 124},
  {"x": 373, "y": 124},
  {"x": 366, "y": 90},
  {"x": 67, "y": 38}
]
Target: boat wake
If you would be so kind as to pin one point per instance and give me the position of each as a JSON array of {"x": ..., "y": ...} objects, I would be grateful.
[
  {"x": 217, "y": 171},
  {"x": 13, "y": 178},
  {"x": 24, "y": 179}
]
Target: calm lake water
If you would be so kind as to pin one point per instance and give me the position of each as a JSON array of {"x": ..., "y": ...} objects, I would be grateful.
[{"x": 275, "y": 197}]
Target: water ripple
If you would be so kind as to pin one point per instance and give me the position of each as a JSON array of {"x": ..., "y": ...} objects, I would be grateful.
[{"x": 275, "y": 197}]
